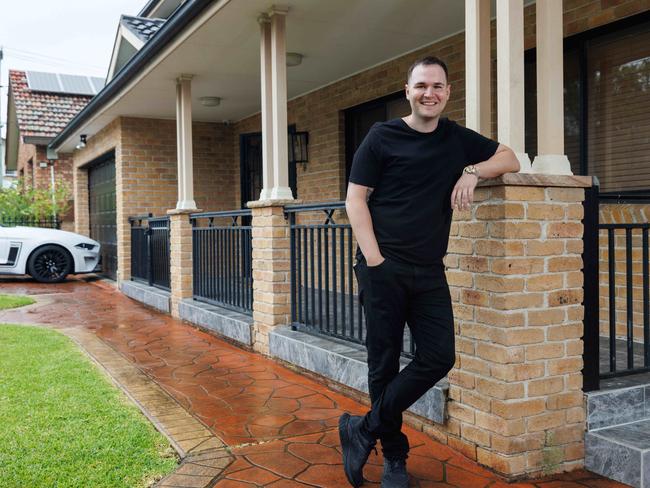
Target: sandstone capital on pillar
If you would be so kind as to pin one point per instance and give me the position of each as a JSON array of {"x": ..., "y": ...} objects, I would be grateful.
[
  {"x": 183, "y": 211},
  {"x": 552, "y": 164},
  {"x": 273, "y": 203}
]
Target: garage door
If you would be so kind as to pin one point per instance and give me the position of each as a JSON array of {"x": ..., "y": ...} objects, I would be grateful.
[{"x": 103, "y": 228}]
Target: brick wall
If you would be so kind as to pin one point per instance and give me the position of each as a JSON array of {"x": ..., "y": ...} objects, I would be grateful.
[
  {"x": 29, "y": 157},
  {"x": 146, "y": 172},
  {"x": 25, "y": 161}
]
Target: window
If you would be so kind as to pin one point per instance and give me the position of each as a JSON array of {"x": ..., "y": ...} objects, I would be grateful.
[
  {"x": 359, "y": 120},
  {"x": 606, "y": 105}
]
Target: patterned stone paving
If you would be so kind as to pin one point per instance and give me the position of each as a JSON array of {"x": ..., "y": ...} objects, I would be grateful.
[{"x": 279, "y": 426}]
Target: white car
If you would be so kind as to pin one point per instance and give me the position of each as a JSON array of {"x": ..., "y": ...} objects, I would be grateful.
[{"x": 48, "y": 255}]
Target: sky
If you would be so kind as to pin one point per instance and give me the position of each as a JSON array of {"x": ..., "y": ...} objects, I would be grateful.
[{"x": 71, "y": 36}]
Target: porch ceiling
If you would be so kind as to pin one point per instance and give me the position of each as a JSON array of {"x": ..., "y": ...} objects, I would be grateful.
[{"x": 337, "y": 38}]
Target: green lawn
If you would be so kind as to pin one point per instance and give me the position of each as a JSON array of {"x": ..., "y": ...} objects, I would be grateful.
[
  {"x": 63, "y": 424},
  {"x": 13, "y": 301}
]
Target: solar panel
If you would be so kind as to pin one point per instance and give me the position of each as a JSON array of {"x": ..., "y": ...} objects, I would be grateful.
[
  {"x": 59, "y": 83},
  {"x": 76, "y": 84},
  {"x": 39, "y": 81}
]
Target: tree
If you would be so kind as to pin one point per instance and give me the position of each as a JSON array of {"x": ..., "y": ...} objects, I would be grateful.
[{"x": 22, "y": 202}]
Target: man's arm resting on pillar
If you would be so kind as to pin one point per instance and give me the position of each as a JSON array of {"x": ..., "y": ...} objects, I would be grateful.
[
  {"x": 356, "y": 204},
  {"x": 502, "y": 161}
]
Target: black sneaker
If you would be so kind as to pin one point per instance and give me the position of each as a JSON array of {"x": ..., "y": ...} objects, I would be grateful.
[
  {"x": 356, "y": 446},
  {"x": 395, "y": 475}
]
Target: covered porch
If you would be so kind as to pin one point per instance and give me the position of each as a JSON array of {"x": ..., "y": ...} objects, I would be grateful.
[{"x": 231, "y": 227}]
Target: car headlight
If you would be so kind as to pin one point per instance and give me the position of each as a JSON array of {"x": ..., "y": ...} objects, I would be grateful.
[{"x": 86, "y": 245}]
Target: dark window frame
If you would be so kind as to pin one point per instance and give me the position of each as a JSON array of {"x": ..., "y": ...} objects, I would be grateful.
[
  {"x": 579, "y": 42},
  {"x": 244, "y": 184}
]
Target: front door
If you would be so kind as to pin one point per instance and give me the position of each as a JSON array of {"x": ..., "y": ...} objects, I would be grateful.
[{"x": 103, "y": 228}]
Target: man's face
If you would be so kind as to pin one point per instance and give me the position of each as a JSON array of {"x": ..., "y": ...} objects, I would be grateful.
[{"x": 427, "y": 91}]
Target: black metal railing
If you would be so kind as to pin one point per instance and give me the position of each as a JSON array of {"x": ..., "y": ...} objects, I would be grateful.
[
  {"x": 617, "y": 288},
  {"x": 324, "y": 295},
  {"x": 223, "y": 259},
  {"x": 628, "y": 283},
  {"x": 50, "y": 223},
  {"x": 150, "y": 250}
]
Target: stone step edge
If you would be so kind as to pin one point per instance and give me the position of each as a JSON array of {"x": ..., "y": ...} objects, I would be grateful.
[
  {"x": 619, "y": 471},
  {"x": 345, "y": 363},
  {"x": 618, "y": 406},
  {"x": 149, "y": 295},
  {"x": 601, "y": 433},
  {"x": 218, "y": 320}
]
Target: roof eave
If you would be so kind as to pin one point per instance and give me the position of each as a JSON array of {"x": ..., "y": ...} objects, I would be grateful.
[{"x": 182, "y": 17}]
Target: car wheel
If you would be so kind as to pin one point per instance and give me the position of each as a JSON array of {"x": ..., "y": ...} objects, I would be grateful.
[{"x": 49, "y": 264}]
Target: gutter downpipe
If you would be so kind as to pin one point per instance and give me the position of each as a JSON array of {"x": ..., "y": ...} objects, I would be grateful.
[{"x": 172, "y": 27}]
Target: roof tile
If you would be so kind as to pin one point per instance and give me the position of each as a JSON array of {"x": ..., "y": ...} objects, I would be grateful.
[{"x": 42, "y": 114}]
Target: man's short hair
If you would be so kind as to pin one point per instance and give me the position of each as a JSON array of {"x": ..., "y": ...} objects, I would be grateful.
[{"x": 427, "y": 61}]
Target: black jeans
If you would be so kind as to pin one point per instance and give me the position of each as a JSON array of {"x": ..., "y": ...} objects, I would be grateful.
[{"x": 393, "y": 294}]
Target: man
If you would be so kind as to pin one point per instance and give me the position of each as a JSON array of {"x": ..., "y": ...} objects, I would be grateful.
[{"x": 407, "y": 176}]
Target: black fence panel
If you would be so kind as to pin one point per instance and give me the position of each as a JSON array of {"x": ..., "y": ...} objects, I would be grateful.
[
  {"x": 159, "y": 249},
  {"x": 626, "y": 258},
  {"x": 324, "y": 297},
  {"x": 222, "y": 247},
  {"x": 617, "y": 287},
  {"x": 50, "y": 223},
  {"x": 150, "y": 250}
]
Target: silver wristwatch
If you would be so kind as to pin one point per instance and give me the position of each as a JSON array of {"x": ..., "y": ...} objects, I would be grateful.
[{"x": 471, "y": 170}]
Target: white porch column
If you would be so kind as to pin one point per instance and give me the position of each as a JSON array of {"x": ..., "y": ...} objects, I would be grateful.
[
  {"x": 280, "y": 189},
  {"x": 477, "y": 66},
  {"x": 267, "y": 109},
  {"x": 184, "y": 142},
  {"x": 510, "y": 78},
  {"x": 550, "y": 90}
]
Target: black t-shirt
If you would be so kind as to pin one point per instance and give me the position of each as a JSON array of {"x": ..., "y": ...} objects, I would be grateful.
[{"x": 413, "y": 174}]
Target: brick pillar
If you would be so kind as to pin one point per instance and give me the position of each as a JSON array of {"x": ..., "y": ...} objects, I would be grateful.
[
  {"x": 180, "y": 256},
  {"x": 80, "y": 196},
  {"x": 271, "y": 271},
  {"x": 516, "y": 401}
]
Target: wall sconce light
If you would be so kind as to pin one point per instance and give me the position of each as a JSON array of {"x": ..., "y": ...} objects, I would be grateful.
[
  {"x": 210, "y": 101},
  {"x": 82, "y": 142},
  {"x": 298, "y": 145}
]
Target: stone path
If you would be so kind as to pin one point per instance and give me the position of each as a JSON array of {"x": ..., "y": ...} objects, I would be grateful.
[{"x": 278, "y": 427}]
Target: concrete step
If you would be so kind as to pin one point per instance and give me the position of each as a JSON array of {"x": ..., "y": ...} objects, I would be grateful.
[
  {"x": 621, "y": 453},
  {"x": 617, "y": 444},
  {"x": 345, "y": 363},
  {"x": 607, "y": 408}
]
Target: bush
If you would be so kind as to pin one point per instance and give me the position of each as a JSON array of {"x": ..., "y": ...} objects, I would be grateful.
[{"x": 25, "y": 203}]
